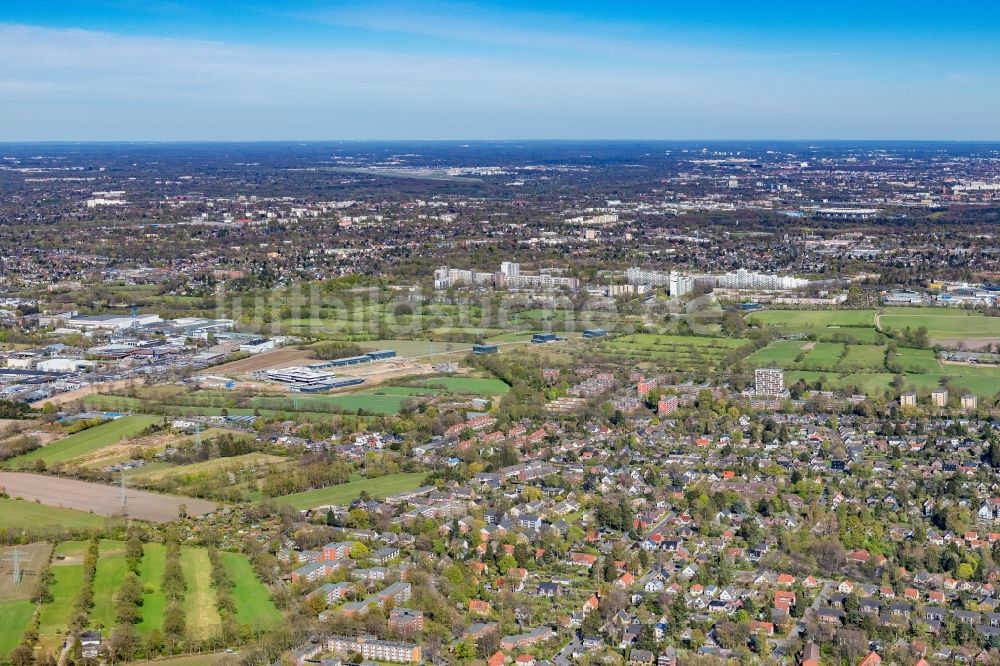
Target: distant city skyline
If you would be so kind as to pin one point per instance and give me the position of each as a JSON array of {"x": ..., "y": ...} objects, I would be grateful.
[{"x": 170, "y": 70}]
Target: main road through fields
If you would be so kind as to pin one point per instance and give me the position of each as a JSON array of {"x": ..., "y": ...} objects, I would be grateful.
[{"x": 99, "y": 498}]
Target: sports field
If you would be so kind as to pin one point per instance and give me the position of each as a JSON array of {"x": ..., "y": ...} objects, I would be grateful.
[
  {"x": 380, "y": 400},
  {"x": 485, "y": 387},
  {"x": 24, "y": 514},
  {"x": 380, "y": 487},
  {"x": 86, "y": 441}
]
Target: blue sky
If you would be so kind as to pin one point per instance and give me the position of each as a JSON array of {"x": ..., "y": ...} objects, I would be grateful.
[{"x": 227, "y": 70}]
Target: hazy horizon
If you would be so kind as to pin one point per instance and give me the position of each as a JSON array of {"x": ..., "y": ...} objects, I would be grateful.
[{"x": 393, "y": 70}]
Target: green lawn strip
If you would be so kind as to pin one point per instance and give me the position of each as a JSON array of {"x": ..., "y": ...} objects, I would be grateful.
[
  {"x": 86, "y": 441},
  {"x": 380, "y": 487},
  {"x": 111, "y": 570},
  {"x": 469, "y": 385},
  {"x": 22, "y": 514},
  {"x": 151, "y": 576},
  {"x": 202, "y": 617},
  {"x": 54, "y": 617},
  {"x": 254, "y": 606},
  {"x": 14, "y": 619}
]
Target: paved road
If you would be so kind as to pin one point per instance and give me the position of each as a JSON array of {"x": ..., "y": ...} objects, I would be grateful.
[{"x": 565, "y": 656}]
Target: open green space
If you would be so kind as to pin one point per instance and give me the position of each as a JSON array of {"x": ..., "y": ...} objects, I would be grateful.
[
  {"x": 86, "y": 441},
  {"x": 983, "y": 381},
  {"x": 55, "y": 616},
  {"x": 814, "y": 318},
  {"x": 779, "y": 354},
  {"x": 111, "y": 570},
  {"x": 482, "y": 386},
  {"x": 22, "y": 514},
  {"x": 254, "y": 606},
  {"x": 675, "y": 352},
  {"x": 379, "y": 400},
  {"x": 828, "y": 325},
  {"x": 412, "y": 348},
  {"x": 154, "y": 601},
  {"x": 917, "y": 360},
  {"x": 202, "y": 618},
  {"x": 380, "y": 487},
  {"x": 942, "y": 322},
  {"x": 862, "y": 357},
  {"x": 823, "y": 355},
  {"x": 14, "y": 618},
  {"x": 192, "y": 470}
]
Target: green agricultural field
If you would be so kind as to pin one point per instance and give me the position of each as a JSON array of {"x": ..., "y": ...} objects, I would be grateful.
[
  {"x": 863, "y": 357},
  {"x": 254, "y": 606},
  {"x": 342, "y": 494},
  {"x": 944, "y": 323},
  {"x": 823, "y": 356},
  {"x": 678, "y": 352},
  {"x": 481, "y": 386},
  {"x": 14, "y": 618},
  {"x": 202, "y": 618},
  {"x": 778, "y": 354},
  {"x": 917, "y": 360},
  {"x": 54, "y": 617},
  {"x": 154, "y": 602},
  {"x": 983, "y": 381},
  {"x": 86, "y": 441},
  {"x": 111, "y": 570},
  {"x": 379, "y": 400},
  {"x": 828, "y": 325},
  {"x": 809, "y": 319},
  {"x": 412, "y": 348},
  {"x": 22, "y": 514}
]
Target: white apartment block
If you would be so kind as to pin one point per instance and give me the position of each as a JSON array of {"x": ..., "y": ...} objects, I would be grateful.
[{"x": 744, "y": 279}]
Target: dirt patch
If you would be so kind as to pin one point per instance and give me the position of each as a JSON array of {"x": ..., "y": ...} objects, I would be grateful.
[
  {"x": 809, "y": 346},
  {"x": 99, "y": 498},
  {"x": 100, "y": 457},
  {"x": 32, "y": 559},
  {"x": 277, "y": 358},
  {"x": 968, "y": 344}
]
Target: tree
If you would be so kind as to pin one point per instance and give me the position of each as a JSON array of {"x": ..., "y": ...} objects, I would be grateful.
[
  {"x": 465, "y": 650},
  {"x": 647, "y": 638},
  {"x": 591, "y": 625},
  {"x": 123, "y": 643},
  {"x": 23, "y": 655}
]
